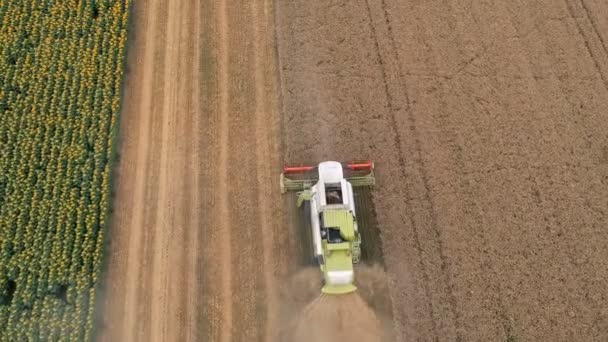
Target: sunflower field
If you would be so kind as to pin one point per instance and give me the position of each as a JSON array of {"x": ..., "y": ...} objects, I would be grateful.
[{"x": 61, "y": 71}]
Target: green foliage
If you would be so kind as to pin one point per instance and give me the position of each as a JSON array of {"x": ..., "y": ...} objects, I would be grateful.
[{"x": 61, "y": 69}]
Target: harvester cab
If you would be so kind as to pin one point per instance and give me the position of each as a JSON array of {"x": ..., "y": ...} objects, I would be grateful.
[{"x": 334, "y": 230}]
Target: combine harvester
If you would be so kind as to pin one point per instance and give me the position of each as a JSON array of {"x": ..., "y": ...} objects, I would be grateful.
[{"x": 333, "y": 220}]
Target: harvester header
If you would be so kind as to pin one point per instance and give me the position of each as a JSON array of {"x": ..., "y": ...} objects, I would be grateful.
[
  {"x": 301, "y": 177},
  {"x": 367, "y": 165}
]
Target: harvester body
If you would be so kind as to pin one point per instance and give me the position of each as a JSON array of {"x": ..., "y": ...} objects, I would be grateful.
[{"x": 335, "y": 234}]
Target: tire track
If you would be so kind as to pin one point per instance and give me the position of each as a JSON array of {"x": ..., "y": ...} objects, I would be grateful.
[
  {"x": 192, "y": 302},
  {"x": 152, "y": 172},
  {"x": 401, "y": 161},
  {"x": 401, "y": 154},
  {"x": 185, "y": 213},
  {"x": 139, "y": 190},
  {"x": 249, "y": 293},
  {"x": 593, "y": 22},
  {"x": 266, "y": 161},
  {"x": 142, "y": 201},
  {"x": 439, "y": 64},
  {"x": 586, "y": 40},
  {"x": 223, "y": 214},
  {"x": 209, "y": 270},
  {"x": 399, "y": 88},
  {"x": 183, "y": 224},
  {"x": 165, "y": 211}
]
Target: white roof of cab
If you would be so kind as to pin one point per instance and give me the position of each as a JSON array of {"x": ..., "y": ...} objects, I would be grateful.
[{"x": 330, "y": 172}]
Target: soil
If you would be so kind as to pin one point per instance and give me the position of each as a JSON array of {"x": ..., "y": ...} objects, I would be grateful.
[{"x": 487, "y": 125}]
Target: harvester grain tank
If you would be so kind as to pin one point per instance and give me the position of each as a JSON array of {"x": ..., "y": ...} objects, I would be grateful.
[{"x": 335, "y": 234}]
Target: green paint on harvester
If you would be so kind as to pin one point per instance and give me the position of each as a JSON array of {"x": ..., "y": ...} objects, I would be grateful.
[{"x": 341, "y": 219}]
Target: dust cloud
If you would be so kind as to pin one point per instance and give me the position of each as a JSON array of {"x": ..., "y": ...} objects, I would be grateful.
[{"x": 358, "y": 317}]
